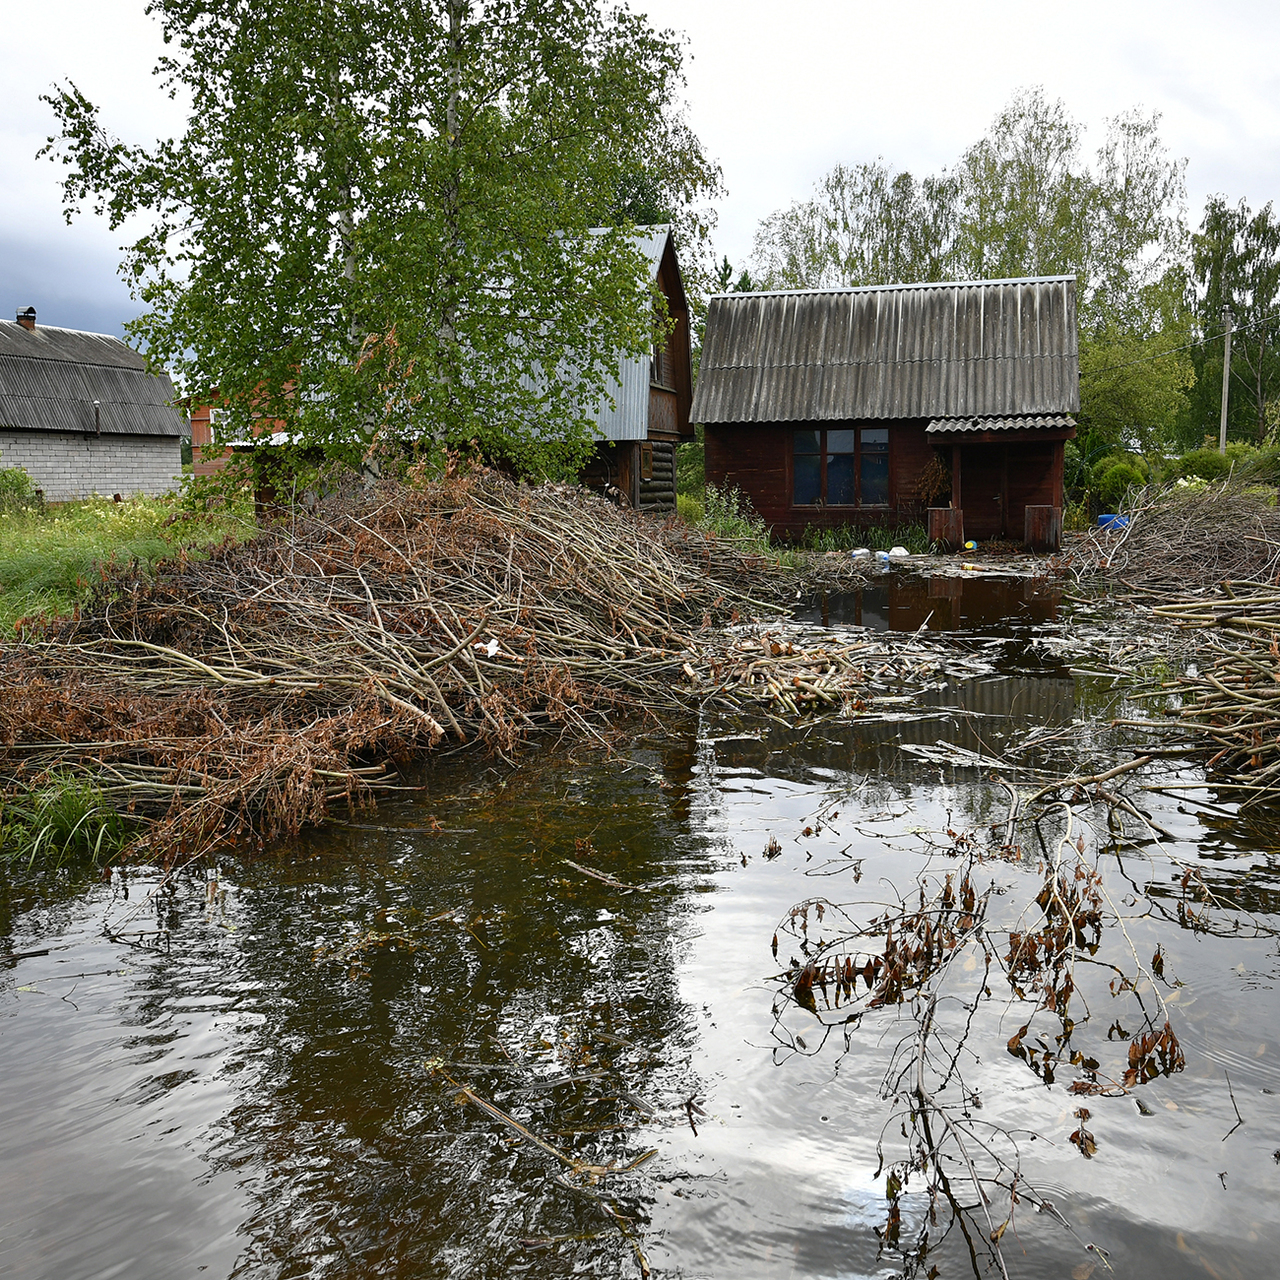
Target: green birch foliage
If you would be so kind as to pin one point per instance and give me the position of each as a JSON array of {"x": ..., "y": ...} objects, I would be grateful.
[
  {"x": 1021, "y": 201},
  {"x": 376, "y": 223}
]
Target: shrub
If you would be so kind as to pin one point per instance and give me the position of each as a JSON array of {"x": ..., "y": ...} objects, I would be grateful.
[
  {"x": 17, "y": 493},
  {"x": 690, "y": 509},
  {"x": 728, "y": 513},
  {"x": 1209, "y": 464},
  {"x": 1116, "y": 481}
]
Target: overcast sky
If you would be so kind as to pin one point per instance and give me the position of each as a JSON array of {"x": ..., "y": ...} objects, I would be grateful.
[{"x": 778, "y": 92}]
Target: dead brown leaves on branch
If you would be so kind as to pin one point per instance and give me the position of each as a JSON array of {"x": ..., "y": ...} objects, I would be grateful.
[{"x": 240, "y": 696}]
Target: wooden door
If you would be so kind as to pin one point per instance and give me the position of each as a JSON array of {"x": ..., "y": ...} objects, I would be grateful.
[{"x": 983, "y": 490}]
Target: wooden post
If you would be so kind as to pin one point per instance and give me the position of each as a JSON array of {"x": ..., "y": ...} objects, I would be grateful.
[
  {"x": 946, "y": 527},
  {"x": 1229, "y": 320},
  {"x": 1043, "y": 529},
  {"x": 629, "y": 472}
]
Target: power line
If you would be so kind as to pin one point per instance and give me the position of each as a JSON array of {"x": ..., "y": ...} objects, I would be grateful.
[{"x": 1199, "y": 342}]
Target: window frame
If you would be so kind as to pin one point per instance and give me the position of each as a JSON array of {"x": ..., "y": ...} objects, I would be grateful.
[{"x": 821, "y": 431}]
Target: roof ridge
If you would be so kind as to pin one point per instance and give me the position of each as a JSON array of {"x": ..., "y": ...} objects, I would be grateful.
[{"x": 895, "y": 288}]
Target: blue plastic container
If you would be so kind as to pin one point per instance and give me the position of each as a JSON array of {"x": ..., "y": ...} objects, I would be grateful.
[{"x": 1113, "y": 522}]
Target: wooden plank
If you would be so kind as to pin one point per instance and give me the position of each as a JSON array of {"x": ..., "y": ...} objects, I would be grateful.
[{"x": 946, "y": 527}]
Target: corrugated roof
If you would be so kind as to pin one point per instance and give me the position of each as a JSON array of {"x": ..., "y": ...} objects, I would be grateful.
[
  {"x": 50, "y": 377},
  {"x": 627, "y": 418},
  {"x": 1043, "y": 421},
  {"x": 953, "y": 350}
]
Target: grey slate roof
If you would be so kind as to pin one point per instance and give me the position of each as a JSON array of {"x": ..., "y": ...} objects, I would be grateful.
[
  {"x": 49, "y": 379},
  {"x": 974, "y": 349},
  {"x": 1035, "y": 422}
]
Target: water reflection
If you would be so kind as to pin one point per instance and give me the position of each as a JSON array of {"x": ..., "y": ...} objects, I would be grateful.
[
  {"x": 906, "y": 602},
  {"x": 256, "y": 1075}
]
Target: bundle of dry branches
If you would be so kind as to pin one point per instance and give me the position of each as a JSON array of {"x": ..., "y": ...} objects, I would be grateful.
[
  {"x": 1182, "y": 538},
  {"x": 242, "y": 693}
]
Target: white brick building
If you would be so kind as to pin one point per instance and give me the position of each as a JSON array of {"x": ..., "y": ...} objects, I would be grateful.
[{"x": 82, "y": 414}]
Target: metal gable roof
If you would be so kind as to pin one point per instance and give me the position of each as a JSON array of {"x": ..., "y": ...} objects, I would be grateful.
[
  {"x": 954, "y": 350},
  {"x": 50, "y": 377}
]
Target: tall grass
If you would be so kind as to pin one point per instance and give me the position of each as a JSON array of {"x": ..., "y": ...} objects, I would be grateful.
[
  {"x": 845, "y": 537},
  {"x": 66, "y": 818},
  {"x": 728, "y": 513},
  {"x": 49, "y": 557}
]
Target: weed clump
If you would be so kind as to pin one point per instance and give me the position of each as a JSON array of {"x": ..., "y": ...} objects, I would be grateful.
[{"x": 63, "y": 818}]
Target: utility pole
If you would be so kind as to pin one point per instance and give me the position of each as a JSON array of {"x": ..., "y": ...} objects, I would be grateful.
[{"x": 1229, "y": 320}]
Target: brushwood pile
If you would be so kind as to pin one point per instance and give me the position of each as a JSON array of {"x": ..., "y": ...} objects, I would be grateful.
[{"x": 240, "y": 695}]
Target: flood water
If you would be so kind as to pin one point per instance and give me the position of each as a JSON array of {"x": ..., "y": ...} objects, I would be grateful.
[{"x": 257, "y": 1071}]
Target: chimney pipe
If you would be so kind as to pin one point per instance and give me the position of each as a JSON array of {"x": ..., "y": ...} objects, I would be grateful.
[
  {"x": 27, "y": 317},
  {"x": 97, "y": 419}
]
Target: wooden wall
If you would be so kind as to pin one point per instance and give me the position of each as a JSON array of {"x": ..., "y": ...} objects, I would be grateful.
[
  {"x": 757, "y": 460},
  {"x": 618, "y": 469}
]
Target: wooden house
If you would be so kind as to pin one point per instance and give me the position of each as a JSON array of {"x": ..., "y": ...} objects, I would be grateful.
[
  {"x": 869, "y": 406},
  {"x": 652, "y": 396},
  {"x": 82, "y": 413}
]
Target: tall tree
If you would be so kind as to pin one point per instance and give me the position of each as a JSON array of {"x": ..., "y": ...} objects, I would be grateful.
[
  {"x": 1236, "y": 264},
  {"x": 378, "y": 218},
  {"x": 1020, "y": 201}
]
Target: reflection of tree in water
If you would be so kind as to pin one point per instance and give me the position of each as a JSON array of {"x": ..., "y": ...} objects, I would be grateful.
[
  {"x": 1012, "y": 926},
  {"x": 492, "y": 962}
]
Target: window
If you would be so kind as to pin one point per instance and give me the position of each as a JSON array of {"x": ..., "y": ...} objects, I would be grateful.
[
  {"x": 848, "y": 467},
  {"x": 646, "y": 462}
]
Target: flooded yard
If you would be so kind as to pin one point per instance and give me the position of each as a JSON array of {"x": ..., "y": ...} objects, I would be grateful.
[{"x": 408, "y": 1046}]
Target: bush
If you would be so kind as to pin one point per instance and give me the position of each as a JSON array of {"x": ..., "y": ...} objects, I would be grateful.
[
  {"x": 17, "y": 493},
  {"x": 690, "y": 509},
  {"x": 1209, "y": 464},
  {"x": 728, "y": 513},
  {"x": 1115, "y": 482},
  {"x": 691, "y": 476}
]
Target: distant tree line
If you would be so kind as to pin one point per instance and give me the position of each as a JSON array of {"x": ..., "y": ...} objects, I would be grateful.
[{"x": 1024, "y": 201}]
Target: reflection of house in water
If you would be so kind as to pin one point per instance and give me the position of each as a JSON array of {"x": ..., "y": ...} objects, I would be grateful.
[{"x": 898, "y": 602}]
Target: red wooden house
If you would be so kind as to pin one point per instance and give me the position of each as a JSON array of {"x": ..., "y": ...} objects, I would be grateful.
[{"x": 867, "y": 406}]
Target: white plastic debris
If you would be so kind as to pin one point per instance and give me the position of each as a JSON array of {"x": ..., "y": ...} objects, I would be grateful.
[
  {"x": 860, "y": 553},
  {"x": 899, "y": 552},
  {"x": 490, "y": 650}
]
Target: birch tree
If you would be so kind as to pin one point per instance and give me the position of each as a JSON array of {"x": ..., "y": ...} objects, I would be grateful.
[{"x": 378, "y": 219}]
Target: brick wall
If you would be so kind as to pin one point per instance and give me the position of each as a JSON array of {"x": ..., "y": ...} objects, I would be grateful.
[{"x": 69, "y": 465}]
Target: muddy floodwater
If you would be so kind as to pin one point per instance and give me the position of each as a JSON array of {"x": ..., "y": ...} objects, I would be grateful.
[{"x": 333, "y": 1061}]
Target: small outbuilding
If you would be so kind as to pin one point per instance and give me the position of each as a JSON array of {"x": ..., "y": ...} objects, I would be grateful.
[
  {"x": 81, "y": 413},
  {"x": 871, "y": 406}
]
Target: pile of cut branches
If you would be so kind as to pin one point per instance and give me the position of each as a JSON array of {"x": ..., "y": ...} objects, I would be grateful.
[
  {"x": 239, "y": 695},
  {"x": 1186, "y": 538}
]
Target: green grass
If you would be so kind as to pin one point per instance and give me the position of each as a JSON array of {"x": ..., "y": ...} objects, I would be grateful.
[
  {"x": 728, "y": 514},
  {"x": 845, "y": 537},
  {"x": 50, "y": 557},
  {"x": 66, "y": 818}
]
